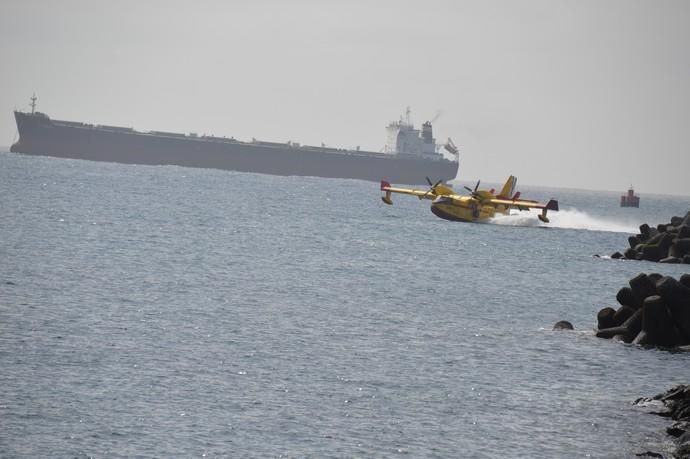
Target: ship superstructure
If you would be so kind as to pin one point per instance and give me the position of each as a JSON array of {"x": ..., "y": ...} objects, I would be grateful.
[{"x": 404, "y": 139}]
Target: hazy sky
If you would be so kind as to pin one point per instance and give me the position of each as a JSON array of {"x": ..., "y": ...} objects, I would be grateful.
[{"x": 580, "y": 94}]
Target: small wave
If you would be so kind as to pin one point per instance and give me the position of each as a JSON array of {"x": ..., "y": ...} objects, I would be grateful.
[{"x": 565, "y": 218}]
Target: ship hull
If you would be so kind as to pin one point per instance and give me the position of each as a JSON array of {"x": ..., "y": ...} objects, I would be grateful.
[{"x": 39, "y": 135}]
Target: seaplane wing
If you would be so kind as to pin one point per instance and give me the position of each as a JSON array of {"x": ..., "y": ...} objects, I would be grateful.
[
  {"x": 421, "y": 194},
  {"x": 432, "y": 193},
  {"x": 524, "y": 204}
]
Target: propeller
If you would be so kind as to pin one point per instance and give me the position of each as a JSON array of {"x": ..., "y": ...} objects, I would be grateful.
[
  {"x": 432, "y": 185},
  {"x": 473, "y": 192}
]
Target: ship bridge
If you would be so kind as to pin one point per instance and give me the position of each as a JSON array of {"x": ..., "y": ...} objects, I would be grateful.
[{"x": 404, "y": 139}]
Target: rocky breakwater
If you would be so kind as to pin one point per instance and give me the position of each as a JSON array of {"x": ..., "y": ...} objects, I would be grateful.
[
  {"x": 667, "y": 243},
  {"x": 654, "y": 310},
  {"x": 674, "y": 404}
]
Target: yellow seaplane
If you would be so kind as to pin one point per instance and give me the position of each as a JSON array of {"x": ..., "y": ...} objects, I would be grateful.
[{"x": 480, "y": 205}]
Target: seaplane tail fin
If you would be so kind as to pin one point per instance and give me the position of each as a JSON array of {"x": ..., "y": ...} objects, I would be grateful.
[
  {"x": 551, "y": 205},
  {"x": 509, "y": 187}
]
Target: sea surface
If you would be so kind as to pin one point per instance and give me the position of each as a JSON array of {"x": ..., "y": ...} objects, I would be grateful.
[{"x": 160, "y": 311}]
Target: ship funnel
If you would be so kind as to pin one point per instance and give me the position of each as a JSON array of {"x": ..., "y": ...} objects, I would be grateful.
[{"x": 427, "y": 133}]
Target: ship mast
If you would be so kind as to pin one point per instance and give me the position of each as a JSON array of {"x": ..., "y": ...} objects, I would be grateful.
[{"x": 33, "y": 103}]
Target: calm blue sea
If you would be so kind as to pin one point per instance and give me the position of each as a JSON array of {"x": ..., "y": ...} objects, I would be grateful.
[{"x": 173, "y": 312}]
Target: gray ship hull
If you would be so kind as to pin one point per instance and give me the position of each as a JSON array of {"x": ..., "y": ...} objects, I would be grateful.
[{"x": 39, "y": 135}]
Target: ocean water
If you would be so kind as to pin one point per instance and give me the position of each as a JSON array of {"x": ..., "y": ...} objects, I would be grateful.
[{"x": 173, "y": 312}]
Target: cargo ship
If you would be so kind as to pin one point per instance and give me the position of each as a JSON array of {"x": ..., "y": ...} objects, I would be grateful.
[{"x": 409, "y": 156}]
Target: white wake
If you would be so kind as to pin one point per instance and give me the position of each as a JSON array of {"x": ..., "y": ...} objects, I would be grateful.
[{"x": 565, "y": 218}]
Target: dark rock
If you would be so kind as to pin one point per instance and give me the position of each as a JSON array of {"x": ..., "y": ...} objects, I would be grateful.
[
  {"x": 655, "y": 277},
  {"x": 629, "y": 254},
  {"x": 683, "y": 231},
  {"x": 675, "y": 393},
  {"x": 626, "y": 297},
  {"x": 661, "y": 227},
  {"x": 681, "y": 410},
  {"x": 671, "y": 260},
  {"x": 676, "y": 401},
  {"x": 605, "y": 318},
  {"x": 677, "y": 297},
  {"x": 665, "y": 242},
  {"x": 685, "y": 436},
  {"x": 675, "y": 251},
  {"x": 676, "y": 430},
  {"x": 652, "y": 252},
  {"x": 612, "y": 331},
  {"x": 633, "y": 241},
  {"x": 634, "y": 323},
  {"x": 657, "y": 322},
  {"x": 685, "y": 280},
  {"x": 622, "y": 314},
  {"x": 643, "y": 286},
  {"x": 673, "y": 291},
  {"x": 682, "y": 245},
  {"x": 683, "y": 451},
  {"x": 563, "y": 325},
  {"x": 686, "y": 259},
  {"x": 655, "y": 310},
  {"x": 654, "y": 240},
  {"x": 644, "y": 231},
  {"x": 676, "y": 221},
  {"x": 629, "y": 329},
  {"x": 616, "y": 255}
]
